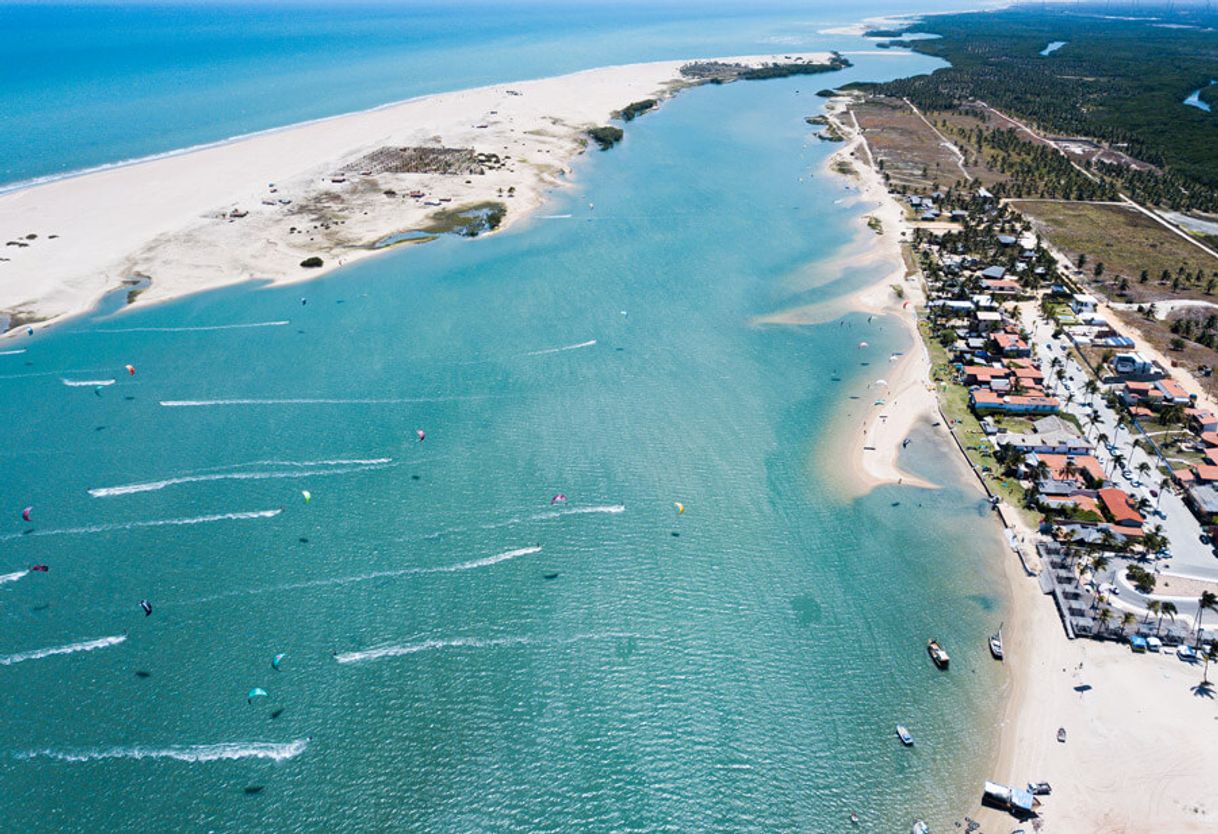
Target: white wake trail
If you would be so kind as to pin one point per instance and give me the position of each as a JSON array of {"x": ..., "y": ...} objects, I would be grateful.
[
  {"x": 12, "y": 577},
  {"x": 153, "y": 486},
  {"x": 195, "y": 753},
  {"x": 369, "y": 577},
  {"x": 472, "y": 643},
  {"x": 86, "y": 383},
  {"x": 315, "y": 401},
  {"x": 199, "y": 329},
  {"x": 586, "y": 344},
  {"x": 11, "y": 352},
  {"x": 70, "y": 648},
  {"x": 135, "y": 525}
]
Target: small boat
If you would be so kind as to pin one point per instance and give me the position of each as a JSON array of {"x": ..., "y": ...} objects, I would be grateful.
[
  {"x": 551, "y": 576},
  {"x": 937, "y": 654},
  {"x": 919, "y": 827},
  {"x": 854, "y": 817},
  {"x": 1061, "y": 734},
  {"x": 905, "y": 736},
  {"x": 996, "y": 644}
]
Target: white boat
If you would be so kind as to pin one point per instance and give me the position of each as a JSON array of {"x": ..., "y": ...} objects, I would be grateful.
[
  {"x": 919, "y": 827},
  {"x": 905, "y": 736},
  {"x": 996, "y": 644}
]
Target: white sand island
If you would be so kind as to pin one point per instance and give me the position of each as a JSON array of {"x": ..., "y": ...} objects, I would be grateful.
[{"x": 259, "y": 207}]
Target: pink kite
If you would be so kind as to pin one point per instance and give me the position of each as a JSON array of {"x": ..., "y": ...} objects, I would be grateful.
[
  {"x": 558, "y": 499},
  {"x": 25, "y": 514},
  {"x": 422, "y": 434},
  {"x": 131, "y": 370}
]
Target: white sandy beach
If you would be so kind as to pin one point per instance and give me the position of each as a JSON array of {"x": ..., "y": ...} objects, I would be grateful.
[{"x": 226, "y": 213}]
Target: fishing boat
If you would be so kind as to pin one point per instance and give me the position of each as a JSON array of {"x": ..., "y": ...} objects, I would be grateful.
[
  {"x": 905, "y": 736},
  {"x": 996, "y": 644},
  {"x": 937, "y": 654}
]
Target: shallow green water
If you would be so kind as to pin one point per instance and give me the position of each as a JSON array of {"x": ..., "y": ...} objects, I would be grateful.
[{"x": 739, "y": 667}]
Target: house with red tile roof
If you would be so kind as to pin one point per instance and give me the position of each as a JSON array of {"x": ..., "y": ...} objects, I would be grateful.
[
  {"x": 1119, "y": 507},
  {"x": 988, "y": 401}
]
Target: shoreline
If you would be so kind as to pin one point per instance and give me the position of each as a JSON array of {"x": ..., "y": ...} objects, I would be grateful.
[
  {"x": 259, "y": 206},
  {"x": 1109, "y": 702}
]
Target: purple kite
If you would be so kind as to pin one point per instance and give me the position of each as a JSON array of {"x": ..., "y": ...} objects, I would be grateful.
[
  {"x": 25, "y": 514},
  {"x": 558, "y": 499}
]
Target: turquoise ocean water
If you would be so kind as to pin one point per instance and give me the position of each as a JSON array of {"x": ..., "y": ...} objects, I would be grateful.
[{"x": 739, "y": 667}]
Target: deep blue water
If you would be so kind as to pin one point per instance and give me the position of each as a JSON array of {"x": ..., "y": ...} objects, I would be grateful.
[
  {"x": 738, "y": 667},
  {"x": 88, "y": 85}
]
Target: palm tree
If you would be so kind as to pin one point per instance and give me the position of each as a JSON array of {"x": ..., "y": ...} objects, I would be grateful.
[
  {"x": 1092, "y": 388},
  {"x": 1143, "y": 469},
  {"x": 1093, "y": 419},
  {"x": 1127, "y": 620},
  {"x": 1152, "y": 607},
  {"x": 1210, "y": 654},
  {"x": 1166, "y": 609},
  {"x": 1101, "y": 439},
  {"x": 1104, "y": 616},
  {"x": 1208, "y": 601}
]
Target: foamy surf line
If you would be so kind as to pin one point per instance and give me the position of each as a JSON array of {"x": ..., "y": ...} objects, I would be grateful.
[
  {"x": 196, "y": 753},
  {"x": 70, "y": 648},
  {"x": 199, "y": 329},
  {"x": 135, "y": 525},
  {"x": 153, "y": 486},
  {"x": 313, "y": 401},
  {"x": 474, "y": 643},
  {"x": 86, "y": 383},
  {"x": 586, "y": 344},
  {"x": 473, "y": 564}
]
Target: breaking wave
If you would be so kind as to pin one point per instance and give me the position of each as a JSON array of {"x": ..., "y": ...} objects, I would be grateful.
[
  {"x": 134, "y": 525},
  {"x": 559, "y": 350},
  {"x": 472, "y": 643},
  {"x": 195, "y": 753},
  {"x": 153, "y": 486},
  {"x": 70, "y": 648}
]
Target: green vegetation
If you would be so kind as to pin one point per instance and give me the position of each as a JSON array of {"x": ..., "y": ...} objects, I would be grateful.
[
  {"x": 606, "y": 137},
  {"x": 312, "y": 262},
  {"x": 826, "y": 93},
  {"x": 467, "y": 221},
  {"x": 637, "y": 108},
  {"x": 836, "y": 62},
  {"x": 1119, "y": 81}
]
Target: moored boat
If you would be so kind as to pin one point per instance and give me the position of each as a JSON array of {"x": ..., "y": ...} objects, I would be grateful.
[
  {"x": 937, "y": 654},
  {"x": 905, "y": 736},
  {"x": 996, "y": 644},
  {"x": 919, "y": 827}
]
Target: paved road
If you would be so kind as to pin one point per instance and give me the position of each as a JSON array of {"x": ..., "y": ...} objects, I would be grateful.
[{"x": 1189, "y": 556}]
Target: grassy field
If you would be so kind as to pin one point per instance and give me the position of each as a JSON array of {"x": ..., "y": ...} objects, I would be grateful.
[
  {"x": 1126, "y": 242},
  {"x": 911, "y": 153}
]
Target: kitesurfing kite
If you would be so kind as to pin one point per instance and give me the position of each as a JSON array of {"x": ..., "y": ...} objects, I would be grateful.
[
  {"x": 422, "y": 434},
  {"x": 276, "y": 661},
  {"x": 39, "y": 568},
  {"x": 147, "y": 606},
  {"x": 680, "y": 507},
  {"x": 256, "y": 692},
  {"x": 131, "y": 370},
  {"x": 25, "y": 514},
  {"x": 558, "y": 499},
  {"x": 308, "y": 496},
  {"x": 862, "y": 345}
]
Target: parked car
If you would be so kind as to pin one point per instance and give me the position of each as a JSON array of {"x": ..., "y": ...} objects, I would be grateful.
[
  {"x": 1127, "y": 474},
  {"x": 1205, "y": 539}
]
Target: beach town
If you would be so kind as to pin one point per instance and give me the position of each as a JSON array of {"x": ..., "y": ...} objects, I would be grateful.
[{"x": 1098, "y": 456}]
